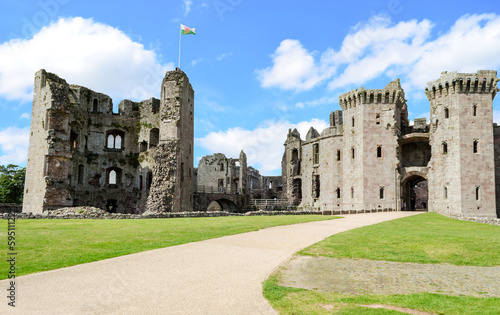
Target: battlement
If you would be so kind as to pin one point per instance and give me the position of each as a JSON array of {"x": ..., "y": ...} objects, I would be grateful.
[
  {"x": 393, "y": 93},
  {"x": 482, "y": 82}
]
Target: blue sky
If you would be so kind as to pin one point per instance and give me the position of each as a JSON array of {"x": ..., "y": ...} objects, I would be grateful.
[{"x": 257, "y": 67}]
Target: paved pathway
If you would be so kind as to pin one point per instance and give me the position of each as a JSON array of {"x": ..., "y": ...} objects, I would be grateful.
[{"x": 217, "y": 276}]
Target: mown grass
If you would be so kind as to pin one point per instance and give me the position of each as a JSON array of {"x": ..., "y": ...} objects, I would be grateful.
[
  {"x": 426, "y": 238},
  {"x": 300, "y": 301},
  {"x": 50, "y": 244}
]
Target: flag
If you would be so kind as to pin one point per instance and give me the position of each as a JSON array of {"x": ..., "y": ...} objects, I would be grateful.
[{"x": 186, "y": 30}]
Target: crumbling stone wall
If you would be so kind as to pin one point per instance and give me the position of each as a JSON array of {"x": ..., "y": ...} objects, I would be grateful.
[
  {"x": 84, "y": 154},
  {"x": 162, "y": 193}
]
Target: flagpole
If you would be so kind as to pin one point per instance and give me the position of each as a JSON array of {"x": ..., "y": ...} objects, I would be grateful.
[{"x": 179, "y": 64}]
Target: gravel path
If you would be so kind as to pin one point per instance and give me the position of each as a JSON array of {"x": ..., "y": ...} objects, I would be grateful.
[
  {"x": 362, "y": 276},
  {"x": 217, "y": 276}
]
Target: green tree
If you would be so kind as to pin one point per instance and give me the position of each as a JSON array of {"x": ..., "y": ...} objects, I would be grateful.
[{"x": 12, "y": 183}]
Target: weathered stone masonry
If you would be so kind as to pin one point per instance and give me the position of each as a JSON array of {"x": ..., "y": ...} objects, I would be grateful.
[
  {"x": 371, "y": 159},
  {"x": 81, "y": 153}
]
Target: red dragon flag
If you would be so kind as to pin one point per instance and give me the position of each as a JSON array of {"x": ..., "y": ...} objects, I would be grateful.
[{"x": 187, "y": 30}]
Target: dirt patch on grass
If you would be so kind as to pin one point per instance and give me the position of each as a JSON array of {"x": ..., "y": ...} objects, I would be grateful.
[{"x": 362, "y": 276}]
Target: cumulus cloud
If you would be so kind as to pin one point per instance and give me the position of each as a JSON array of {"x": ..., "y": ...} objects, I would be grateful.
[
  {"x": 263, "y": 145},
  {"x": 293, "y": 68},
  {"x": 14, "y": 143},
  {"x": 25, "y": 116},
  {"x": 83, "y": 52},
  {"x": 379, "y": 47}
]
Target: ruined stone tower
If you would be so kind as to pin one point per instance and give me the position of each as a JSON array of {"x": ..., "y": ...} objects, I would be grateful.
[
  {"x": 83, "y": 154},
  {"x": 463, "y": 162},
  {"x": 172, "y": 185}
]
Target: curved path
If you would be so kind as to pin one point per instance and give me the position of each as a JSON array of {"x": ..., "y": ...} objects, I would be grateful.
[{"x": 217, "y": 276}]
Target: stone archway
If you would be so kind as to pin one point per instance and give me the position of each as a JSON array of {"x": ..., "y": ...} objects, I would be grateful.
[
  {"x": 222, "y": 204},
  {"x": 414, "y": 193}
]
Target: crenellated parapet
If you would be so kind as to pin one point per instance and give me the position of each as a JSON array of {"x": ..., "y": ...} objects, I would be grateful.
[
  {"x": 393, "y": 93},
  {"x": 482, "y": 82}
]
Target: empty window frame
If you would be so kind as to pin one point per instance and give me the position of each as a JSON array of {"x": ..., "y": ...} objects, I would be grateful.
[
  {"x": 316, "y": 153},
  {"x": 446, "y": 113},
  {"x": 379, "y": 151},
  {"x": 381, "y": 193},
  {"x": 114, "y": 140},
  {"x": 475, "y": 146},
  {"x": 445, "y": 148}
]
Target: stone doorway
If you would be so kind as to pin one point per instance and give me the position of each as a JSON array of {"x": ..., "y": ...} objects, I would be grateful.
[{"x": 414, "y": 194}]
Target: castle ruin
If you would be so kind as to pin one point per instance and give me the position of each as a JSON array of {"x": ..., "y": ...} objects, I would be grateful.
[{"x": 369, "y": 159}]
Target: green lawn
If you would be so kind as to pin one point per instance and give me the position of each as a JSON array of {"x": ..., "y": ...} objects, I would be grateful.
[
  {"x": 425, "y": 238},
  {"x": 50, "y": 244}
]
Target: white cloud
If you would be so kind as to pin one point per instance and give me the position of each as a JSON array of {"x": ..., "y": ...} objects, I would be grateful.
[
  {"x": 14, "y": 145},
  {"x": 187, "y": 7},
  {"x": 263, "y": 145},
  {"x": 321, "y": 101},
  {"x": 196, "y": 61},
  {"x": 83, "y": 52},
  {"x": 25, "y": 116},
  {"x": 224, "y": 55},
  {"x": 380, "y": 47},
  {"x": 293, "y": 68}
]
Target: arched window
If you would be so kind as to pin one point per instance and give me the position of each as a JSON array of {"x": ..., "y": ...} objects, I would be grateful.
[
  {"x": 381, "y": 192},
  {"x": 445, "y": 148},
  {"x": 114, "y": 139},
  {"x": 478, "y": 192},
  {"x": 338, "y": 193},
  {"x": 143, "y": 146},
  {"x": 474, "y": 110},
  {"x": 221, "y": 167},
  {"x": 445, "y": 192},
  {"x": 114, "y": 176}
]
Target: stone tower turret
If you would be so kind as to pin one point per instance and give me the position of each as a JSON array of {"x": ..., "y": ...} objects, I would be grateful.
[
  {"x": 462, "y": 176},
  {"x": 174, "y": 154},
  {"x": 242, "y": 182},
  {"x": 369, "y": 160}
]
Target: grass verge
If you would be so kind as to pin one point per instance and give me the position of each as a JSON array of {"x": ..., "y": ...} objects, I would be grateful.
[
  {"x": 425, "y": 238},
  {"x": 300, "y": 301},
  {"x": 51, "y": 244}
]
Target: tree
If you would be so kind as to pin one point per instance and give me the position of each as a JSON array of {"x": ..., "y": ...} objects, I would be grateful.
[{"x": 12, "y": 183}]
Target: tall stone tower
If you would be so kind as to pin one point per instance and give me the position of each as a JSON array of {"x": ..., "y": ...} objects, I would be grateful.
[
  {"x": 462, "y": 176},
  {"x": 291, "y": 167},
  {"x": 49, "y": 154},
  {"x": 370, "y": 159},
  {"x": 172, "y": 187},
  {"x": 242, "y": 181}
]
